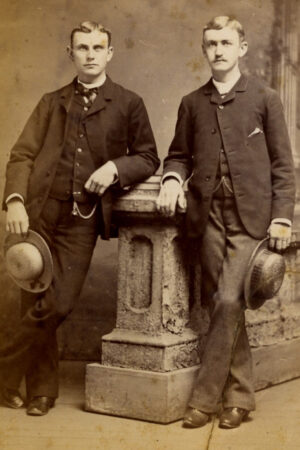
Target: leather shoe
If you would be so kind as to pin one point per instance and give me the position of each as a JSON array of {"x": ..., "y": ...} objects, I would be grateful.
[
  {"x": 232, "y": 417},
  {"x": 194, "y": 418},
  {"x": 12, "y": 398},
  {"x": 39, "y": 406}
]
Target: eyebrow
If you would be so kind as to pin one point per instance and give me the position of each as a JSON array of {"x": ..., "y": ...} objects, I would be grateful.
[
  {"x": 81, "y": 45},
  {"x": 223, "y": 41}
]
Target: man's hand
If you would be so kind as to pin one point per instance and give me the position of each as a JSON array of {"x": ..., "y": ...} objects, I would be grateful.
[
  {"x": 102, "y": 178},
  {"x": 279, "y": 236},
  {"x": 171, "y": 194},
  {"x": 17, "y": 218}
]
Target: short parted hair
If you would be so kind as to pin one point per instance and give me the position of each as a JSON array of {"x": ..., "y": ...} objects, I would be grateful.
[
  {"x": 219, "y": 22},
  {"x": 89, "y": 26}
]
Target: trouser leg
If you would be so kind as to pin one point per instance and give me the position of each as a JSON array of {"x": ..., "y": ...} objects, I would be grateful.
[
  {"x": 225, "y": 251},
  {"x": 34, "y": 350},
  {"x": 42, "y": 374},
  {"x": 239, "y": 389}
]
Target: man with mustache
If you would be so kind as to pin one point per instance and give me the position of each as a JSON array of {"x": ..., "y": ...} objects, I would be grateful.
[
  {"x": 80, "y": 143},
  {"x": 231, "y": 144}
]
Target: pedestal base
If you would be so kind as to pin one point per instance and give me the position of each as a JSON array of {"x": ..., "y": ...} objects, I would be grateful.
[{"x": 139, "y": 394}]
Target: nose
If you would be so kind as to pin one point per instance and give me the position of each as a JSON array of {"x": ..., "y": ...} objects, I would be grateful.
[
  {"x": 219, "y": 49},
  {"x": 90, "y": 54}
]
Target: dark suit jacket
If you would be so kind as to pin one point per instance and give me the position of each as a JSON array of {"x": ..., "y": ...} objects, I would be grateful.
[
  {"x": 260, "y": 164},
  {"x": 117, "y": 127}
]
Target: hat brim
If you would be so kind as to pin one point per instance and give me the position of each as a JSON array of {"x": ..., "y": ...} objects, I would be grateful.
[
  {"x": 252, "y": 302},
  {"x": 45, "y": 279}
]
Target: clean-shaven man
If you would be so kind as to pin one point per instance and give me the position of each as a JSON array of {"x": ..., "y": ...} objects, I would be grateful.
[{"x": 80, "y": 143}]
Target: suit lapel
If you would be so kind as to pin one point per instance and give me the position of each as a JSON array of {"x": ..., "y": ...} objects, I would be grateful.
[
  {"x": 215, "y": 97},
  {"x": 105, "y": 94},
  {"x": 66, "y": 96}
]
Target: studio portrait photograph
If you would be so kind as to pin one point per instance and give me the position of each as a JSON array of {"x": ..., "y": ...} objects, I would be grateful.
[{"x": 150, "y": 225}]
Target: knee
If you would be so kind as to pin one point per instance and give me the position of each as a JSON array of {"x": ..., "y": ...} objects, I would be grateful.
[{"x": 228, "y": 304}]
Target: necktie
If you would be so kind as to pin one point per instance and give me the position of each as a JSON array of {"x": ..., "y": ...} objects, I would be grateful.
[{"x": 88, "y": 94}]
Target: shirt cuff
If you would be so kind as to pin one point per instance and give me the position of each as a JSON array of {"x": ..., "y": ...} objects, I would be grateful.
[
  {"x": 172, "y": 175},
  {"x": 14, "y": 196},
  {"x": 282, "y": 221}
]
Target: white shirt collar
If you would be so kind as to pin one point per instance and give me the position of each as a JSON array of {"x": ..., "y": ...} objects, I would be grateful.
[
  {"x": 224, "y": 88},
  {"x": 92, "y": 85}
]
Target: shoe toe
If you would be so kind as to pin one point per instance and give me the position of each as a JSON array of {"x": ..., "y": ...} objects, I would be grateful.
[
  {"x": 232, "y": 417},
  {"x": 194, "y": 418},
  {"x": 39, "y": 406},
  {"x": 12, "y": 398}
]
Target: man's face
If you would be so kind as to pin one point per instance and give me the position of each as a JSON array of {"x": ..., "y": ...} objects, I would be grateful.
[
  {"x": 90, "y": 54},
  {"x": 223, "y": 49}
]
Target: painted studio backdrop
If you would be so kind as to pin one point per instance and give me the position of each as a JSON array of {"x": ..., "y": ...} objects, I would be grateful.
[{"x": 157, "y": 54}]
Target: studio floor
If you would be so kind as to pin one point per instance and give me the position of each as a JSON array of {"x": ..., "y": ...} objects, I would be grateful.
[{"x": 274, "y": 425}]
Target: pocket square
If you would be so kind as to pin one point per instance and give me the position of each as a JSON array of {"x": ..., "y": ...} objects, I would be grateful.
[{"x": 256, "y": 131}]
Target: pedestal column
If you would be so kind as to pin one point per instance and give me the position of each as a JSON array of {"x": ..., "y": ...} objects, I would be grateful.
[{"x": 150, "y": 359}]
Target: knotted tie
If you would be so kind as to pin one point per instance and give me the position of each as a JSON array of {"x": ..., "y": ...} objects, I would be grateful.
[{"x": 88, "y": 94}]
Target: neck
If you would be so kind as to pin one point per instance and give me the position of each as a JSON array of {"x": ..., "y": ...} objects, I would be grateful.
[
  {"x": 225, "y": 77},
  {"x": 98, "y": 80}
]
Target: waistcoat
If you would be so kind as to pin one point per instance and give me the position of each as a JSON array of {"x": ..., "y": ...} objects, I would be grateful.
[{"x": 76, "y": 162}]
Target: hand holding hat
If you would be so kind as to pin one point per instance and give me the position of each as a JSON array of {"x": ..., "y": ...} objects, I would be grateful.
[
  {"x": 17, "y": 218},
  {"x": 280, "y": 236}
]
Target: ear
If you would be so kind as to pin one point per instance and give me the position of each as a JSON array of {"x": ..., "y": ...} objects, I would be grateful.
[
  {"x": 70, "y": 53},
  {"x": 243, "y": 48},
  {"x": 110, "y": 53}
]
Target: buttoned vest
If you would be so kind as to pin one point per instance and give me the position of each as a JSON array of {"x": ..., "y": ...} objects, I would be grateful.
[
  {"x": 76, "y": 163},
  {"x": 223, "y": 184}
]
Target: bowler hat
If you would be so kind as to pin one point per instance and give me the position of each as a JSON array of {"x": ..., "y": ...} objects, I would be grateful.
[
  {"x": 264, "y": 275},
  {"x": 28, "y": 261}
]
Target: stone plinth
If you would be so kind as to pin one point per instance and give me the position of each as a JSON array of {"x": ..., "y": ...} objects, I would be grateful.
[
  {"x": 151, "y": 358},
  {"x": 139, "y": 394},
  {"x": 152, "y": 342}
]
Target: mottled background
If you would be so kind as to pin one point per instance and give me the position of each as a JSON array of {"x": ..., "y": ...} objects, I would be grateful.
[{"x": 158, "y": 55}]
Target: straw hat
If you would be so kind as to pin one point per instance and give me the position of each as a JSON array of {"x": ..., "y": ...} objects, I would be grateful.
[
  {"x": 28, "y": 261},
  {"x": 264, "y": 276}
]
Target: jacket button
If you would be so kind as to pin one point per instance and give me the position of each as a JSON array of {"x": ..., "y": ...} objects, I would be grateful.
[
  {"x": 207, "y": 178},
  {"x": 221, "y": 107},
  {"x": 213, "y": 131},
  {"x": 222, "y": 150}
]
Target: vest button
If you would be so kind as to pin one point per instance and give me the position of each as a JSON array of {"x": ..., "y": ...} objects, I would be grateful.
[
  {"x": 222, "y": 150},
  {"x": 77, "y": 164},
  {"x": 221, "y": 107},
  {"x": 207, "y": 178},
  {"x": 79, "y": 150},
  {"x": 81, "y": 135},
  {"x": 85, "y": 108},
  {"x": 213, "y": 131}
]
